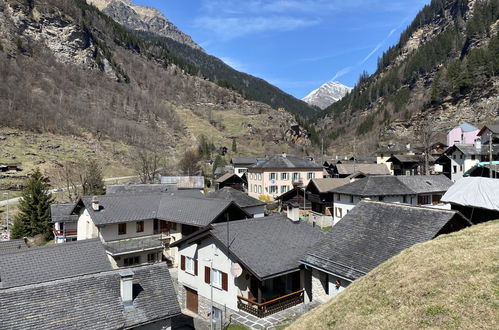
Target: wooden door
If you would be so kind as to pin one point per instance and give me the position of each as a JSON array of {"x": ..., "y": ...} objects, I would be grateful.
[{"x": 191, "y": 300}]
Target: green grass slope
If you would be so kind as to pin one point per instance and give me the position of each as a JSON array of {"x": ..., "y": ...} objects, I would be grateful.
[{"x": 450, "y": 282}]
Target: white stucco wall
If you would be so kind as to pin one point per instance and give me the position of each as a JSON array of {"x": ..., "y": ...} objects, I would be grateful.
[
  {"x": 204, "y": 252},
  {"x": 86, "y": 227},
  {"x": 461, "y": 165},
  {"x": 110, "y": 232}
]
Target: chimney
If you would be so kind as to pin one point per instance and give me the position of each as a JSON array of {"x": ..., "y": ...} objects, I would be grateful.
[
  {"x": 95, "y": 203},
  {"x": 478, "y": 144},
  {"x": 283, "y": 155},
  {"x": 126, "y": 287},
  {"x": 293, "y": 212},
  {"x": 408, "y": 146}
]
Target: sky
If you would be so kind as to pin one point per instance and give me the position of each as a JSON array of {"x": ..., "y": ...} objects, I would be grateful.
[{"x": 296, "y": 45}]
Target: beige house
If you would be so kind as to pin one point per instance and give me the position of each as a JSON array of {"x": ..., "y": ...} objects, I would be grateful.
[
  {"x": 137, "y": 229},
  {"x": 277, "y": 175}
]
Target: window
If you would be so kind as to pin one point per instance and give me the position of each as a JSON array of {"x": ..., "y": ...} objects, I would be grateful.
[
  {"x": 351, "y": 199},
  {"x": 251, "y": 176},
  {"x": 461, "y": 168},
  {"x": 259, "y": 176},
  {"x": 461, "y": 156},
  {"x": 381, "y": 198},
  {"x": 404, "y": 199},
  {"x": 473, "y": 157},
  {"x": 255, "y": 188},
  {"x": 454, "y": 169},
  {"x": 424, "y": 200},
  {"x": 140, "y": 226},
  {"x": 130, "y": 261},
  {"x": 338, "y": 197},
  {"x": 284, "y": 189},
  {"x": 296, "y": 177},
  {"x": 241, "y": 170},
  {"x": 453, "y": 156},
  {"x": 339, "y": 212},
  {"x": 284, "y": 176},
  {"x": 189, "y": 265},
  {"x": 216, "y": 278},
  {"x": 152, "y": 257},
  {"x": 310, "y": 175},
  {"x": 273, "y": 189},
  {"x": 259, "y": 189},
  {"x": 272, "y": 176},
  {"x": 121, "y": 228}
]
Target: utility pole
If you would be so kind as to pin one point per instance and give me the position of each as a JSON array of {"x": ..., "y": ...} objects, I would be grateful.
[
  {"x": 354, "y": 155},
  {"x": 490, "y": 155}
]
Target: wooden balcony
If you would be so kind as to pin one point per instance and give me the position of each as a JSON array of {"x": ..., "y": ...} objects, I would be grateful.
[
  {"x": 65, "y": 232},
  {"x": 271, "y": 306}
]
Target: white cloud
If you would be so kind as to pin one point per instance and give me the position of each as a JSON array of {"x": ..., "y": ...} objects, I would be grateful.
[{"x": 233, "y": 27}]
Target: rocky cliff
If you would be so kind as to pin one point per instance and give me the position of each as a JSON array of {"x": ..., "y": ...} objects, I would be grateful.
[
  {"x": 143, "y": 19},
  {"x": 327, "y": 94}
]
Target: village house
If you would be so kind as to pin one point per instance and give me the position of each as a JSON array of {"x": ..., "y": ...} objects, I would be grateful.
[
  {"x": 73, "y": 286},
  {"x": 241, "y": 164},
  {"x": 384, "y": 153},
  {"x": 321, "y": 199},
  {"x": 252, "y": 206},
  {"x": 247, "y": 265},
  {"x": 476, "y": 198},
  {"x": 231, "y": 180},
  {"x": 279, "y": 174},
  {"x": 462, "y": 134},
  {"x": 138, "y": 228},
  {"x": 64, "y": 224},
  {"x": 460, "y": 158},
  {"x": 370, "y": 234},
  {"x": 489, "y": 132},
  {"x": 344, "y": 170},
  {"x": 412, "y": 190},
  {"x": 409, "y": 164}
]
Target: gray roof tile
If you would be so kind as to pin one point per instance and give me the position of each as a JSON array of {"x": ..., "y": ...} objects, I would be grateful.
[
  {"x": 268, "y": 245},
  {"x": 240, "y": 198},
  {"x": 12, "y": 246},
  {"x": 368, "y": 169},
  {"x": 288, "y": 161},
  {"x": 90, "y": 302},
  {"x": 395, "y": 185},
  {"x": 52, "y": 262},
  {"x": 62, "y": 212},
  {"x": 373, "y": 232}
]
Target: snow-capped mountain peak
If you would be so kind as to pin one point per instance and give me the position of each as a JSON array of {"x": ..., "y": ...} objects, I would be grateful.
[{"x": 327, "y": 94}]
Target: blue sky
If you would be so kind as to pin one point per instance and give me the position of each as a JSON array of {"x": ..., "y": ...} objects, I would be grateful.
[{"x": 296, "y": 45}]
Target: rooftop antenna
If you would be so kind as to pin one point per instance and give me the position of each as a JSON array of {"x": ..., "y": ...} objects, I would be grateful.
[{"x": 490, "y": 154}]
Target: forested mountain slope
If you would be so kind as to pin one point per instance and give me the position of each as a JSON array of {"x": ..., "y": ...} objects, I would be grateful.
[
  {"x": 66, "y": 68},
  {"x": 444, "y": 70}
]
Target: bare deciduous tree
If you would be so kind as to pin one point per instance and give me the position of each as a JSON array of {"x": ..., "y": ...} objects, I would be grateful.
[
  {"x": 426, "y": 133},
  {"x": 148, "y": 164}
]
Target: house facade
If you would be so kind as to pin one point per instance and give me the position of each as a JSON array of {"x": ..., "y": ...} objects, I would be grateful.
[
  {"x": 463, "y": 157},
  {"x": 321, "y": 199},
  {"x": 279, "y": 174},
  {"x": 64, "y": 224},
  {"x": 138, "y": 229},
  {"x": 243, "y": 275},
  {"x": 411, "y": 190},
  {"x": 241, "y": 164},
  {"x": 462, "y": 134}
]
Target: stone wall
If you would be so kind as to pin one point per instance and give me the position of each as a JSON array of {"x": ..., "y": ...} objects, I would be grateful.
[
  {"x": 204, "y": 309},
  {"x": 319, "y": 286}
]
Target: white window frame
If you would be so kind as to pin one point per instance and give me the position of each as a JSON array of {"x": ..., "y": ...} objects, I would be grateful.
[
  {"x": 216, "y": 278},
  {"x": 259, "y": 177},
  {"x": 273, "y": 189},
  {"x": 284, "y": 176},
  {"x": 189, "y": 265},
  {"x": 259, "y": 189},
  {"x": 272, "y": 176},
  {"x": 296, "y": 177},
  {"x": 310, "y": 175},
  {"x": 284, "y": 189}
]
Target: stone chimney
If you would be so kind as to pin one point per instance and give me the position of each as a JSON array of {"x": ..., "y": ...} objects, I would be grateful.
[
  {"x": 126, "y": 287},
  {"x": 95, "y": 203}
]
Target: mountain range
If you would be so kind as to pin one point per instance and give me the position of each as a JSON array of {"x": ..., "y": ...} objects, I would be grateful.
[{"x": 327, "y": 94}]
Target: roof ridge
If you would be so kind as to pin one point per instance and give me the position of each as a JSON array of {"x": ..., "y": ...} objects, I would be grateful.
[
  {"x": 409, "y": 206},
  {"x": 52, "y": 246}
]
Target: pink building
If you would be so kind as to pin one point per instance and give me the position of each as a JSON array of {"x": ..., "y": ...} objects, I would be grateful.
[{"x": 463, "y": 134}]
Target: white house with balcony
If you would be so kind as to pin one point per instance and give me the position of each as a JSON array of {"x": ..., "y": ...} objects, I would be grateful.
[
  {"x": 411, "y": 190},
  {"x": 139, "y": 228},
  {"x": 277, "y": 175},
  {"x": 249, "y": 265}
]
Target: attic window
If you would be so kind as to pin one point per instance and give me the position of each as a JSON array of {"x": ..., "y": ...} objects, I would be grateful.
[{"x": 429, "y": 182}]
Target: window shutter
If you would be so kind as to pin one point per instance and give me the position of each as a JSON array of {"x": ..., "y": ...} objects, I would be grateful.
[
  {"x": 225, "y": 281},
  {"x": 182, "y": 262},
  {"x": 196, "y": 267},
  {"x": 207, "y": 271}
]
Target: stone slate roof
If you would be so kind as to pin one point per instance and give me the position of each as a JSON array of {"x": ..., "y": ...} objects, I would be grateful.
[
  {"x": 90, "y": 302},
  {"x": 470, "y": 149},
  {"x": 227, "y": 176},
  {"x": 12, "y": 246},
  {"x": 62, "y": 212},
  {"x": 373, "y": 232},
  {"x": 395, "y": 185},
  {"x": 270, "y": 245},
  {"x": 173, "y": 207},
  {"x": 368, "y": 169},
  {"x": 493, "y": 128},
  {"x": 240, "y": 198},
  {"x": 243, "y": 161},
  {"x": 326, "y": 184},
  {"x": 139, "y": 188},
  {"x": 52, "y": 262},
  {"x": 286, "y": 162},
  {"x": 184, "y": 182},
  {"x": 410, "y": 158}
]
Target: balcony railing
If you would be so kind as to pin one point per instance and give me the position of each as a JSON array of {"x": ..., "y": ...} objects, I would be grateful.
[
  {"x": 271, "y": 306},
  {"x": 66, "y": 232}
]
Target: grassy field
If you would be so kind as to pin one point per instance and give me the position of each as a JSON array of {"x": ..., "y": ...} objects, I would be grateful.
[{"x": 449, "y": 282}]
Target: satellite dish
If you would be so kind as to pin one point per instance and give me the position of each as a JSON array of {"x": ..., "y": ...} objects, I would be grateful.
[
  {"x": 273, "y": 182},
  {"x": 236, "y": 270}
]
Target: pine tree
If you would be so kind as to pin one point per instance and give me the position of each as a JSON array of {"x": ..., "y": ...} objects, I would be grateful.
[
  {"x": 234, "y": 145},
  {"x": 34, "y": 208},
  {"x": 93, "y": 184}
]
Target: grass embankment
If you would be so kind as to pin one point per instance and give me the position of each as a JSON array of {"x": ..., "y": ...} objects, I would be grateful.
[{"x": 449, "y": 282}]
